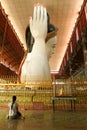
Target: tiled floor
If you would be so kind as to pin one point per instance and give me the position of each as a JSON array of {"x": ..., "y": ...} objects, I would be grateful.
[{"x": 45, "y": 120}]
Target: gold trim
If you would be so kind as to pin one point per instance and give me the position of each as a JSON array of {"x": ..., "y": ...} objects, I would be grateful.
[{"x": 51, "y": 34}]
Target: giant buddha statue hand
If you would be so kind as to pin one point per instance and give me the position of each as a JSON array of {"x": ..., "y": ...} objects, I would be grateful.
[
  {"x": 36, "y": 66},
  {"x": 38, "y": 23}
]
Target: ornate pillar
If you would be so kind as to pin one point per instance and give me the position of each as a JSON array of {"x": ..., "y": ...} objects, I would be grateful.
[{"x": 84, "y": 43}]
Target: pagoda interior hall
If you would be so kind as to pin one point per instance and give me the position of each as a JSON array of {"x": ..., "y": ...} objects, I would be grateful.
[{"x": 58, "y": 103}]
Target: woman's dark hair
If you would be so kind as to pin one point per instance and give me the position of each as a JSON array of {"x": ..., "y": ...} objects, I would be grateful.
[
  {"x": 30, "y": 39},
  {"x": 13, "y": 100}
]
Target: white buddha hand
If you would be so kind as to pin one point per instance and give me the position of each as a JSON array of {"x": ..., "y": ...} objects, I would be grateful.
[
  {"x": 38, "y": 23},
  {"x": 37, "y": 66}
]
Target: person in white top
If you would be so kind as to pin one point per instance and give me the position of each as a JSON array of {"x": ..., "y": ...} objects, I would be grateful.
[{"x": 13, "y": 110}]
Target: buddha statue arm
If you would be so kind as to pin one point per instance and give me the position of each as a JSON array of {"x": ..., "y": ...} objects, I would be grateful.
[{"x": 37, "y": 67}]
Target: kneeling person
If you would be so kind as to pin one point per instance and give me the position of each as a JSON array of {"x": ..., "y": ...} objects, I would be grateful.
[{"x": 13, "y": 110}]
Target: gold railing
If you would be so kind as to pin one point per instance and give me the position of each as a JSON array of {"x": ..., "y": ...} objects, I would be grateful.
[{"x": 42, "y": 92}]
